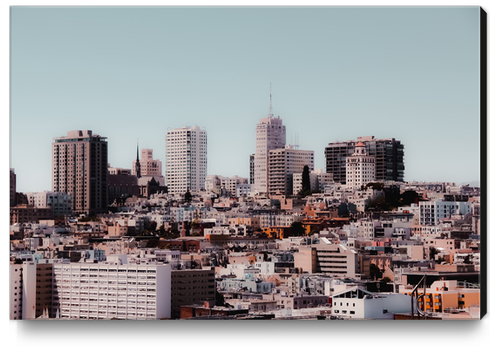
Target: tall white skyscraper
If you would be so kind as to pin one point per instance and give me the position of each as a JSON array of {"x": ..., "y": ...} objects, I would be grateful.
[
  {"x": 269, "y": 134},
  {"x": 186, "y": 159}
]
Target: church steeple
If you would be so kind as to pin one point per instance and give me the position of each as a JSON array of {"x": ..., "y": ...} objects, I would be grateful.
[{"x": 138, "y": 166}]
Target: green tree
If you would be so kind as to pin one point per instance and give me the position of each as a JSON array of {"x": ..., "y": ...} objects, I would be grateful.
[
  {"x": 374, "y": 272},
  {"x": 297, "y": 229},
  {"x": 305, "y": 184},
  {"x": 188, "y": 196}
]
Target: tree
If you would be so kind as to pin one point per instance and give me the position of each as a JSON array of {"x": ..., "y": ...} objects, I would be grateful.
[
  {"x": 305, "y": 184},
  {"x": 188, "y": 196},
  {"x": 297, "y": 229},
  {"x": 374, "y": 272}
]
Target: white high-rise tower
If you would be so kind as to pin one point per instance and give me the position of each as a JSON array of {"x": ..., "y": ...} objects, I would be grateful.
[
  {"x": 269, "y": 134},
  {"x": 186, "y": 159}
]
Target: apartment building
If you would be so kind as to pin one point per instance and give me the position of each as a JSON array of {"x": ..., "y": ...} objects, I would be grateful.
[
  {"x": 13, "y": 187},
  {"x": 388, "y": 154},
  {"x": 283, "y": 163},
  {"x": 192, "y": 286},
  {"x": 29, "y": 214},
  {"x": 110, "y": 290},
  {"x": 186, "y": 159},
  {"x": 60, "y": 203},
  {"x": 80, "y": 170},
  {"x": 360, "y": 168},
  {"x": 431, "y": 212}
]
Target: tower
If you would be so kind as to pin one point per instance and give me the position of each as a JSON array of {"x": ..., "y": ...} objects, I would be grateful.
[
  {"x": 186, "y": 159},
  {"x": 360, "y": 168},
  {"x": 269, "y": 134},
  {"x": 80, "y": 170},
  {"x": 137, "y": 165}
]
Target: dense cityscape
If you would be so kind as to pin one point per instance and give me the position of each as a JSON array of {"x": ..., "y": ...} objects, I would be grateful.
[{"x": 351, "y": 240}]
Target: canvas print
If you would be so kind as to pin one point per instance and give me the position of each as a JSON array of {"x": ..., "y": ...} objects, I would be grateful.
[{"x": 246, "y": 163}]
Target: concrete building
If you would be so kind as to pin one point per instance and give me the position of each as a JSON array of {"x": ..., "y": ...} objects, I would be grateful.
[
  {"x": 192, "y": 286},
  {"x": 270, "y": 134},
  {"x": 109, "y": 290},
  {"x": 80, "y": 170},
  {"x": 285, "y": 162},
  {"x": 29, "y": 214},
  {"x": 186, "y": 159},
  {"x": 13, "y": 187},
  {"x": 388, "y": 155},
  {"x": 60, "y": 203},
  {"x": 357, "y": 303},
  {"x": 252, "y": 168},
  {"x": 431, "y": 212},
  {"x": 360, "y": 168}
]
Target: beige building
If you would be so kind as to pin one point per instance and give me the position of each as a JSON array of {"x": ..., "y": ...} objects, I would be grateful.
[
  {"x": 269, "y": 134},
  {"x": 283, "y": 163},
  {"x": 80, "y": 170},
  {"x": 360, "y": 168}
]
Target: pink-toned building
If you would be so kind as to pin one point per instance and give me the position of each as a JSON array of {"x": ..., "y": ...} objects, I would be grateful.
[{"x": 148, "y": 165}]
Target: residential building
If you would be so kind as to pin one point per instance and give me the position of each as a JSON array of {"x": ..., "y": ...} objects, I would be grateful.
[
  {"x": 360, "y": 168},
  {"x": 29, "y": 214},
  {"x": 60, "y": 203},
  {"x": 80, "y": 170},
  {"x": 431, "y": 212},
  {"x": 110, "y": 290},
  {"x": 13, "y": 187},
  {"x": 252, "y": 168},
  {"x": 285, "y": 162},
  {"x": 192, "y": 286},
  {"x": 388, "y": 154},
  {"x": 186, "y": 159},
  {"x": 357, "y": 303}
]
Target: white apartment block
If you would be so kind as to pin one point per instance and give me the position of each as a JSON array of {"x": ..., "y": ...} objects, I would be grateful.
[
  {"x": 283, "y": 164},
  {"x": 59, "y": 202},
  {"x": 105, "y": 291},
  {"x": 218, "y": 184},
  {"x": 360, "y": 168},
  {"x": 186, "y": 159},
  {"x": 269, "y": 134},
  {"x": 431, "y": 212},
  {"x": 148, "y": 165}
]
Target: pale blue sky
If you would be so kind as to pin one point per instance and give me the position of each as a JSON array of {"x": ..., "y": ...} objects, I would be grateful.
[{"x": 337, "y": 73}]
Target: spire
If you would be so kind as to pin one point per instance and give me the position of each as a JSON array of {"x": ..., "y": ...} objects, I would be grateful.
[
  {"x": 137, "y": 165},
  {"x": 270, "y": 107}
]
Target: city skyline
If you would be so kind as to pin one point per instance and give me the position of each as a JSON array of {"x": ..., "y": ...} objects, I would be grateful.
[{"x": 131, "y": 74}]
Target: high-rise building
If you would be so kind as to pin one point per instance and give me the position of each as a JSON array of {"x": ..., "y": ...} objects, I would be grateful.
[
  {"x": 13, "y": 187},
  {"x": 186, "y": 159},
  {"x": 252, "y": 168},
  {"x": 360, "y": 168},
  {"x": 80, "y": 170},
  {"x": 285, "y": 162},
  {"x": 147, "y": 165},
  {"x": 388, "y": 154},
  {"x": 269, "y": 134}
]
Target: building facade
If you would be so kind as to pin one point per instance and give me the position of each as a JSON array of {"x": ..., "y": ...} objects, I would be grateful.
[
  {"x": 388, "y": 154},
  {"x": 186, "y": 162},
  {"x": 80, "y": 170},
  {"x": 285, "y": 162},
  {"x": 270, "y": 134},
  {"x": 360, "y": 168},
  {"x": 147, "y": 165},
  {"x": 59, "y": 202},
  {"x": 109, "y": 290}
]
